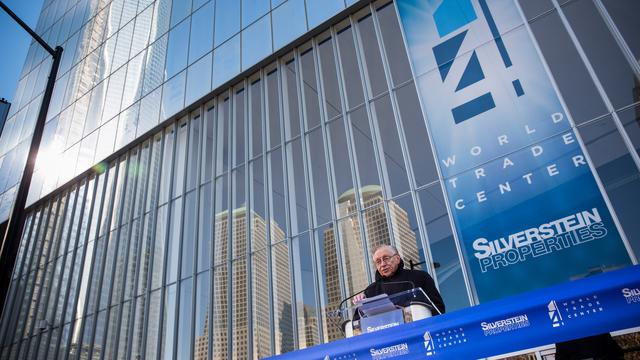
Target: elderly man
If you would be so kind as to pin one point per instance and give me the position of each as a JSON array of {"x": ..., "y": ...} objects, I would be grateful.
[{"x": 392, "y": 277}]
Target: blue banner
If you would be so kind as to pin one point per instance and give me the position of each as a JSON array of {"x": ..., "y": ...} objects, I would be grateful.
[
  {"x": 598, "y": 304},
  {"x": 524, "y": 200}
]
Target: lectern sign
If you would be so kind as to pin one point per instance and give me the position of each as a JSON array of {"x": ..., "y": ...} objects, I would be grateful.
[{"x": 527, "y": 208}]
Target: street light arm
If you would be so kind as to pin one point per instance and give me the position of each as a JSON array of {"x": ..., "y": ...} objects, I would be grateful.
[{"x": 27, "y": 29}]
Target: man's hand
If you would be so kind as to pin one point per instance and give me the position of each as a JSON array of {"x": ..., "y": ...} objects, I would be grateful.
[{"x": 357, "y": 298}]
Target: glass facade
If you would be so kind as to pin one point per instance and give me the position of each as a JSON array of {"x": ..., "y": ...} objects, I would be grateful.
[{"x": 234, "y": 229}]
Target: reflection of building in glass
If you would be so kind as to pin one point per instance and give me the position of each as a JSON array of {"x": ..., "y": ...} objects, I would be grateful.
[
  {"x": 201, "y": 348},
  {"x": 309, "y": 334},
  {"x": 377, "y": 230},
  {"x": 259, "y": 291}
]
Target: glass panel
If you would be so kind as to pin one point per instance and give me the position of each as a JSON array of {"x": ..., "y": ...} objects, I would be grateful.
[
  {"x": 137, "y": 330},
  {"x": 185, "y": 320},
  {"x": 260, "y": 304},
  {"x": 201, "y": 324},
  {"x": 391, "y": 148},
  {"x": 281, "y": 279},
  {"x": 154, "y": 173},
  {"x": 85, "y": 346},
  {"x": 239, "y": 211},
  {"x": 277, "y": 200},
  {"x": 173, "y": 95},
  {"x": 154, "y": 68},
  {"x": 394, "y": 44},
  {"x": 443, "y": 250},
  {"x": 256, "y": 41},
  {"x": 227, "y": 20},
  {"x": 350, "y": 70},
  {"x": 320, "y": 10},
  {"x": 222, "y": 138},
  {"x": 101, "y": 327},
  {"x": 208, "y": 145},
  {"x": 273, "y": 104},
  {"x": 201, "y": 41},
  {"x": 252, "y": 10},
  {"x": 297, "y": 188},
  {"x": 114, "y": 94},
  {"x": 205, "y": 227},
  {"x": 330, "y": 280},
  {"x": 352, "y": 254},
  {"x": 193, "y": 153},
  {"x": 189, "y": 234},
  {"x": 199, "y": 79},
  {"x": 168, "y": 323},
  {"x": 603, "y": 52},
  {"x": 153, "y": 330},
  {"x": 239, "y": 128},
  {"x": 220, "y": 313},
  {"x": 305, "y": 291},
  {"x": 415, "y": 132},
  {"x": 578, "y": 92},
  {"x": 288, "y": 22},
  {"x": 179, "y": 10},
  {"x": 371, "y": 56},
  {"x": 364, "y": 149},
  {"x": 167, "y": 163},
  {"x": 173, "y": 243},
  {"x": 177, "y": 49},
  {"x": 341, "y": 168},
  {"x": 319, "y": 177},
  {"x": 149, "y": 112},
  {"x": 147, "y": 245},
  {"x": 240, "y": 323},
  {"x": 258, "y": 211},
  {"x": 618, "y": 174},
  {"x": 159, "y": 248},
  {"x": 221, "y": 225},
  {"x": 255, "y": 111},
  {"x": 310, "y": 89},
  {"x": 180, "y": 161},
  {"x": 290, "y": 95},
  {"x": 226, "y": 60}
]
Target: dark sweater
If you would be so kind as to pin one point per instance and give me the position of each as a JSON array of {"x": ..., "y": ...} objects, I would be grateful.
[{"x": 420, "y": 278}]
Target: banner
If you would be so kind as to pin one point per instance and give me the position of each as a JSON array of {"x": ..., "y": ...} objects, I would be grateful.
[
  {"x": 595, "y": 305},
  {"x": 525, "y": 203}
]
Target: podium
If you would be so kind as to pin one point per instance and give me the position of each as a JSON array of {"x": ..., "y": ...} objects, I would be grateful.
[
  {"x": 385, "y": 311},
  {"x": 523, "y": 321}
]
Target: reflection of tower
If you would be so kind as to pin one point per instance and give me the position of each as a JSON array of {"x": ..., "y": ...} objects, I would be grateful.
[
  {"x": 310, "y": 322},
  {"x": 201, "y": 351},
  {"x": 260, "y": 291},
  {"x": 377, "y": 230},
  {"x": 282, "y": 293}
]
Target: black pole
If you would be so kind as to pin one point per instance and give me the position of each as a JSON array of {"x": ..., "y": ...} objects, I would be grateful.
[{"x": 15, "y": 224}]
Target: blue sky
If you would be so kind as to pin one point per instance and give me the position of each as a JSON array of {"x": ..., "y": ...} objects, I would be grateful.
[{"x": 15, "y": 42}]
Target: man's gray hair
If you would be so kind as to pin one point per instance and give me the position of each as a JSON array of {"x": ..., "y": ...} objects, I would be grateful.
[{"x": 387, "y": 246}]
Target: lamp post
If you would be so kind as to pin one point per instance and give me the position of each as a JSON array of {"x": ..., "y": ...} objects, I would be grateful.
[{"x": 15, "y": 224}]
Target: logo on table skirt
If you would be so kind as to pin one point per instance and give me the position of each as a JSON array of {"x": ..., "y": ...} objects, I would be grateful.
[
  {"x": 389, "y": 351},
  {"x": 428, "y": 343},
  {"x": 505, "y": 325},
  {"x": 554, "y": 314},
  {"x": 631, "y": 295}
]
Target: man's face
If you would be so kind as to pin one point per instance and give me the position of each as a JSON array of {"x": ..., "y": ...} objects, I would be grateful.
[{"x": 386, "y": 261}]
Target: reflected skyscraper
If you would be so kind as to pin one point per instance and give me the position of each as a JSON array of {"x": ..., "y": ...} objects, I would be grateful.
[{"x": 377, "y": 229}]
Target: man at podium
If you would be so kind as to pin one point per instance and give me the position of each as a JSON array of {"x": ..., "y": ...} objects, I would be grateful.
[{"x": 392, "y": 277}]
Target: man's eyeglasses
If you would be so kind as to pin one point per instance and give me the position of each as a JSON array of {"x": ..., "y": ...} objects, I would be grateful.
[{"x": 383, "y": 260}]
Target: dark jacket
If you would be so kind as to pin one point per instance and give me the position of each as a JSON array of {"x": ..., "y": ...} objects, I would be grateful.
[{"x": 419, "y": 278}]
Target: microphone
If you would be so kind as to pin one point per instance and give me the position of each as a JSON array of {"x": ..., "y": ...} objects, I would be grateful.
[{"x": 351, "y": 297}]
